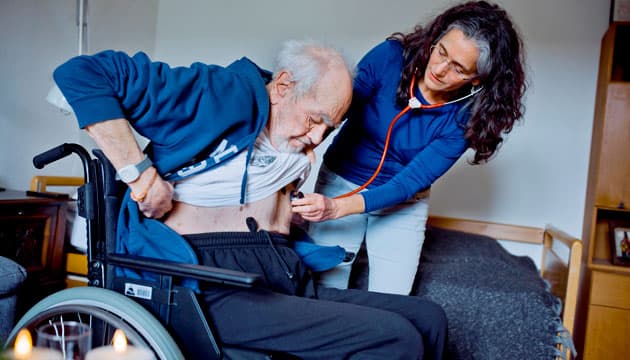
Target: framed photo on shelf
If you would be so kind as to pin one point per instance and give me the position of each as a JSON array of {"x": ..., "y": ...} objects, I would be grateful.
[
  {"x": 620, "y": 243},
  {"x": 619, "y": 10}
]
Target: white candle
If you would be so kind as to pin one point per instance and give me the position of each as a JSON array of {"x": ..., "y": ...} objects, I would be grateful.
[
  {"x": 24, "y": 350},
  {"x": 130, "y": 353},
  {"x": 35, "y": 354},
  {"x": 120, "y": 350}
]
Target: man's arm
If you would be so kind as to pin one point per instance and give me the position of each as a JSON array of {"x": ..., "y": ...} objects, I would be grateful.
[
  {"x": 116, "y": 140},
  {"x": 103, "y": 89}
]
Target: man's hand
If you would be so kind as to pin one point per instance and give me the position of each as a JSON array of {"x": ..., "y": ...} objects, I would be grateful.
[{"x": 153, "y": 195}]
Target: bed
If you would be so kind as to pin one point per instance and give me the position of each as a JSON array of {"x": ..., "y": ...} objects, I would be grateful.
[{"x": 499, "y": 306}]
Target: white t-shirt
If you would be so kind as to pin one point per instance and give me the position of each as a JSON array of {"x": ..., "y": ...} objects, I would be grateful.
[{"x": 268, "y": 171}]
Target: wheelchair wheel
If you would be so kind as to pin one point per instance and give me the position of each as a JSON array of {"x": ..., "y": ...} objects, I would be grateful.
[{"x": 105, "y": 311}]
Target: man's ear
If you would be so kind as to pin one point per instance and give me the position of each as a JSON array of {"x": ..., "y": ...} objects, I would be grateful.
[
  {"x": 281, "y": 86},
  {"x": 475, "y": 82}
]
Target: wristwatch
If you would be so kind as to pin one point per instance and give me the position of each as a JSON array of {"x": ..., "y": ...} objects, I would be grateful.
[{"x": 132, "y": 172}]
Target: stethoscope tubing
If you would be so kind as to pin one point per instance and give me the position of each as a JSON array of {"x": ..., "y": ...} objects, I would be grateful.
[{"x": 414, "y": 103}]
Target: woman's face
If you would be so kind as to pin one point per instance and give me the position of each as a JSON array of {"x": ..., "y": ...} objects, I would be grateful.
[{"x": 452, "y": 64}]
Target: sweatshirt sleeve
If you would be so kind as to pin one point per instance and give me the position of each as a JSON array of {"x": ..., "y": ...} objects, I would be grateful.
[
  {"x": 95, "y": 85},
  {"x": 183, "y": 111},
  {"x": 155, "y": 98},
  {"x": 372, "y": 67}
]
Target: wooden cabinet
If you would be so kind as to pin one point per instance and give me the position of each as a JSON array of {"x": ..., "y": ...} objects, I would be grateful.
[
  {"x": 605, "y": 294},
  {"x": 606, "y": 327},
  {"x": 32, "y": 232}
]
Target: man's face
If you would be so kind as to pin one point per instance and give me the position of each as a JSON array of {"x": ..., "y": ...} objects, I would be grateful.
[{"x": 299, "y": 124}]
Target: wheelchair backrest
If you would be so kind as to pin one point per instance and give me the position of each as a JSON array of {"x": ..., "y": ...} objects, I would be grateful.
[{"x": 109, "y": 195}]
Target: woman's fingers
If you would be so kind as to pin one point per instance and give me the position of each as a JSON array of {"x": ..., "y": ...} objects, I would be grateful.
[{"x": 314, "y": 207}]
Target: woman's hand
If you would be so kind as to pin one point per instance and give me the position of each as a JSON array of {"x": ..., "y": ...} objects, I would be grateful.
[{"x": 315, "y": 207}]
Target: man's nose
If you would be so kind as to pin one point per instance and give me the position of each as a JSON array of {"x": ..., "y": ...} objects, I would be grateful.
[{"x": 316, "y": 134}]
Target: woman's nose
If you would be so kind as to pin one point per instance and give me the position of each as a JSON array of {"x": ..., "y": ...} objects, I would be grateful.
[{"x": 441, "y": 68}]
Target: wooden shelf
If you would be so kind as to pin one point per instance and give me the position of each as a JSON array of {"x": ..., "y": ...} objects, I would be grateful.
[
  {"x": 612, "y": 209},
  {"x": 606, "y": 265},
  {"x": 606, "y": 298}
]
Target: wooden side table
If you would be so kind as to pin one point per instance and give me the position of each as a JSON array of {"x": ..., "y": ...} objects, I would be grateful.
[{"x": 32, "y": 233}]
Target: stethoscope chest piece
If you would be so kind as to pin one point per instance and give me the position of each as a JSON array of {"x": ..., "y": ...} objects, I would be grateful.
[{"x": 414, "y": 103}]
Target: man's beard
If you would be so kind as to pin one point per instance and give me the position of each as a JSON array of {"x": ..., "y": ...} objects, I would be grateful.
[{"x": 282, "y": 145}]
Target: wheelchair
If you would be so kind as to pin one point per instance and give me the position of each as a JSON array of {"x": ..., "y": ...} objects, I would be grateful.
[{"x": 161, "y": 315}]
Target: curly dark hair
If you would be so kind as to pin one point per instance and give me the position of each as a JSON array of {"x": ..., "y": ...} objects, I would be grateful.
[{"x": 501, "y": 70}]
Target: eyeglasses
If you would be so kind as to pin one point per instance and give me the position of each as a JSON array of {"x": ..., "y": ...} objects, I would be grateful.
[{"x": 442, "y": 56}]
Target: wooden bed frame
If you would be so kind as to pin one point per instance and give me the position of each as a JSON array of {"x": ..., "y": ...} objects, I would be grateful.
[{"x": 562, "y": 272}]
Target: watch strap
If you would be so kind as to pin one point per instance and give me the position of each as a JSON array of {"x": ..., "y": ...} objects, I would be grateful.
[{"x": 139, "y": 167}]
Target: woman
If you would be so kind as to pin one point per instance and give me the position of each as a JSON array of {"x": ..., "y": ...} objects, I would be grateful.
[{"x": 469, "y": 62}]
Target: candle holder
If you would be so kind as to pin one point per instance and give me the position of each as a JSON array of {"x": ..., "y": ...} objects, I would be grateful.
[
  {"x": 71, "y": 338},
  {"x": 23, "y": 349}
]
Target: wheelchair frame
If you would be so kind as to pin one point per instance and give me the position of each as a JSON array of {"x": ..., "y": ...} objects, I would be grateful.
[{"x": 176, "y": 307}]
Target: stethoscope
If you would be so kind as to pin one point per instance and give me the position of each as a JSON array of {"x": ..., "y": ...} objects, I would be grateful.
[{"x": 414, "y": 103}]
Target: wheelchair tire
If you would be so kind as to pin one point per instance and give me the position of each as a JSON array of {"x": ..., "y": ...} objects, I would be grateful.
[{"x": 112, "y": 308}]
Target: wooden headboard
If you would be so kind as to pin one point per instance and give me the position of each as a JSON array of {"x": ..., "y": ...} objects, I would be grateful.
[{"x": 562, "y": 272}]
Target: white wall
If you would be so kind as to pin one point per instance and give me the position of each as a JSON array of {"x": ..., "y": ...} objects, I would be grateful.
[
  {"x": 27, "y": 58},
  {"x": 36, "y": 36},
  {"x": 538, "y": 177}
]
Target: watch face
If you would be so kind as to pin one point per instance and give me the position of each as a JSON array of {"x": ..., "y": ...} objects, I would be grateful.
[{"x": 129, "y": 174}]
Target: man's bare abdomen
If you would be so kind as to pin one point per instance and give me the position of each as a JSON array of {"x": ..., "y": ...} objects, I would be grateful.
[{"x": 272, "y": 214}]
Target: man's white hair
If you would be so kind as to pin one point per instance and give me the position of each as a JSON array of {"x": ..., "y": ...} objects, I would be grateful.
[{"x": 307, "y": 61}]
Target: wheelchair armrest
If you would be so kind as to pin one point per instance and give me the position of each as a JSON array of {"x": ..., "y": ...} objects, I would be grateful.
[{"x": 199, "y": 272}]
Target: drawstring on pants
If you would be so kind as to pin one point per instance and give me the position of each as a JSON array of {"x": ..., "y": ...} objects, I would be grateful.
[{"x": 252, "y": 225}]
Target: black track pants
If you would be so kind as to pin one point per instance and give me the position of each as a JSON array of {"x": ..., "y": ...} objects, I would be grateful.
[{"x": 290, "y": 315}]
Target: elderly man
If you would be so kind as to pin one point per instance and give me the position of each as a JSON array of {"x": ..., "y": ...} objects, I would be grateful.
[{"x": 228, "y": 145}]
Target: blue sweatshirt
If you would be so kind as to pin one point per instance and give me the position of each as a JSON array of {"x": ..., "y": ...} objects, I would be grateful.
[
  {"x": 424, "y": 143},
  {"x": 171, "y": 107}
]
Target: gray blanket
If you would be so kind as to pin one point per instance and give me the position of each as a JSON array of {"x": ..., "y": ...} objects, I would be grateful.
[{"x": 498, "y": 306}]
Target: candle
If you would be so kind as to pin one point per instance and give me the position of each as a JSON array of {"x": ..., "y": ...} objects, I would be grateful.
[
  {"x": 120, "y": 350},
  {"x": 36, "y": 353},
  {"x": 130, "y": 353},
  {"x": 24, "y": 350}
]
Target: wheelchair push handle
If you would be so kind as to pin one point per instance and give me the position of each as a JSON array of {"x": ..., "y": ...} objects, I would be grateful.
[{"x": 59, "y": 152}]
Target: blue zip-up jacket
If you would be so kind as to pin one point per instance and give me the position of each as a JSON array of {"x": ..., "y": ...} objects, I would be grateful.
[{"x": 173, "y": 107}]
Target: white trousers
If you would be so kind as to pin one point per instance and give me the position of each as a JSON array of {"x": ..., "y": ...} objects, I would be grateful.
[{"x": 393, "y": 238}]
